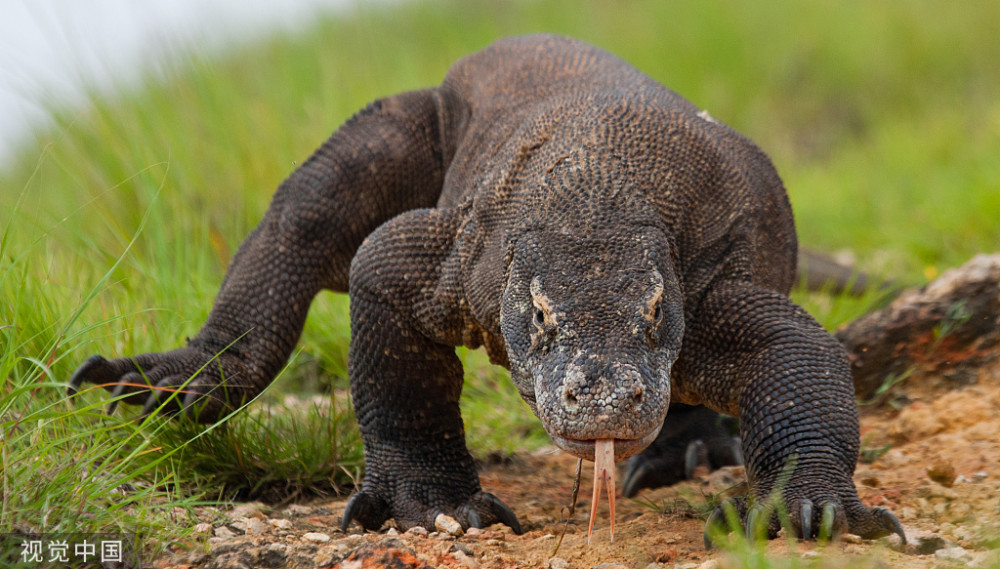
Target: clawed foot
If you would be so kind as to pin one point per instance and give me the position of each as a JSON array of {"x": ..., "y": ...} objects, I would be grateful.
[
  {"x": 480, "y": 510},
  {"x": 185, "y": 379},
  {"x": 807, "y": 520},
  {"x": 691, "y": 437}
]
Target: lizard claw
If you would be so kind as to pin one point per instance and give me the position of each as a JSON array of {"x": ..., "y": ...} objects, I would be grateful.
[
  {"x": 806, "y": 519},
  {"x": 888, "y": 522},
  {"x": 471, "y": 516},
  {"x": 369, "y": 511},
  {"x": 753, "y": 523},
  {"x": 502, "y": 512},
  {"x": 639, "y": 473},
  {"x": 826, "y": 521},
  {"x": 695, "y": 455},
  {"x": 718, "y": 520}
]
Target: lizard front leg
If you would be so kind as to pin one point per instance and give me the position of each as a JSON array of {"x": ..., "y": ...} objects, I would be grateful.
[
  {"x": 406, "y": 318},
  {"x": 753, "y": 353},
  {"x": 385, "y": 160}
]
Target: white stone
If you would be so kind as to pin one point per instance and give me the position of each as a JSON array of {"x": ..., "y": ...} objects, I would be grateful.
[
  {"x": 558, "y": 563},
  {"x": 449, "y": 525},
  {"x": 280, "y": 523},
  {"x": 954, "y": 554},
  {"x": 316, "y": 537}
]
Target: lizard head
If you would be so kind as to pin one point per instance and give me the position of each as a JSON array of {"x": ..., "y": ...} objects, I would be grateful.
[{"x": 592, "y": 327}]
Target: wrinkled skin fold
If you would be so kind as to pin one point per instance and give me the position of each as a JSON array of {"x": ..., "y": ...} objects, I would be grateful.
[{"x": 611, "y": 244}]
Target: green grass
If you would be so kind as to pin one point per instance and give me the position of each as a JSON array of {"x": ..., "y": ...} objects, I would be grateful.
[{"x": 118, "y": 223}]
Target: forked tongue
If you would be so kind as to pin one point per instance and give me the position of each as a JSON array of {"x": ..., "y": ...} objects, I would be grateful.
[{"x": 604, "y": 474}]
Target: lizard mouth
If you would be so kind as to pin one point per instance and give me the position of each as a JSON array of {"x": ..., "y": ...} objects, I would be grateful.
[{"x": 584, "y": 448}]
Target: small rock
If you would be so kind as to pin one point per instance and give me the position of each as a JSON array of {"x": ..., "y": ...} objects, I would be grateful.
[
  {"x": 655, "y": 565},
  {"x": 255, "y": 527},
  {"x": 224, "y": 532},
  {"x": 466, "y": 559},
  {"x": 417, "y": 530},
  {"x": 463, "y": 548},
  {"x": 937, "y": 491},
  {"x": 214, "y": 542},
  {"x": 851, "y": 538},
  {"x": 920, "y": 542},
  {"x": 612, "y": 565},
  {"x": 316, "y": 537},
  {"x": 685, "y": 566},
  {"x": 959, "y": 554},
  {"x": 979, "y": 476},
  {"x": 249, "y": 510},
  {"x": 392, "y": 531},
  {"x": 280, "y": 523},
  {"x": 558, "y": 563},
  {"x": 434, "y": 535},
  {"x": 811, "y": 554},
  {"x": 474, "y": 532},
  {"x": 203, "y": 528},
  {"x": 710, "y": 564},
  {"x": 943, "y": 473},
  {"x": 298, "y": 510},
  {"x": 449, "y": 525},
  {"x": 548, "y": 536}
]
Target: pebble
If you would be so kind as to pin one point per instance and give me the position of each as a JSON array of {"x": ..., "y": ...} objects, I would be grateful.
[
  {"x": 392, "y": 531},
  {"x": 466, "y": 559},
  {"x": 280, "y": 523},
  {"x": 548, "y": 536},
  {"x": 418, "y": 530},
  {"x": 921, "y": 542},
  {"x": 224, "y": 532},
  {"x": 954, "y": 554},
  {"x": 463, "y": 548},
  {"x": 298, "y": 510},
  {"x": 811, "y": 554},
  {"x": 203, "y": 528},
  {"x": 316, "y": 537},
  {"x": 474, "y": 532},
  {"x": 449, "y": 525},
  {"x": 979, "y": 476},
  {"x": 249, "y": 510},
  {"x": 558, "y": 563},
  {"x": 685, "y": 566},
  {"x": 255, "y": 527},
  {"x": 851, "y": 538},
  {"x": 710, "y": 564},
  {"x": 612, "y": 565}
]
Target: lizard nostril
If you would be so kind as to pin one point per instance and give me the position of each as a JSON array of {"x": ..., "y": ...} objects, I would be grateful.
[
  {"x": 638, "y": 393},
  {"x": 569, "y": 396}
]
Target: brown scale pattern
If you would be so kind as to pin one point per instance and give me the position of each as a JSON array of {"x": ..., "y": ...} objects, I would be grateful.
[{"x": 610, "y": 244}]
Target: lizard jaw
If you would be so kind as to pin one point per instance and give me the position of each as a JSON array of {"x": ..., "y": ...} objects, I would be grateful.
[{"x": 585, "y": 448}]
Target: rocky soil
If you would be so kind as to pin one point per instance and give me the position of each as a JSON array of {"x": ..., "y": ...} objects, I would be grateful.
[{"x": 933, "y": 457}]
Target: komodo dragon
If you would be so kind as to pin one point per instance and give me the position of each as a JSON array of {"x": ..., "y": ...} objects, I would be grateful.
[{"x": 612, "y": 245}]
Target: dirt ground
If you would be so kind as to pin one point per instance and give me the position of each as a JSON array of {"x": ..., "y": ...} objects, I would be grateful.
[{"x": 940, "y": 475}]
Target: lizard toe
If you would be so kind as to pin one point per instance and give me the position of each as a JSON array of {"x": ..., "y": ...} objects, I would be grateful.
[{"x": 368, "y": 510}]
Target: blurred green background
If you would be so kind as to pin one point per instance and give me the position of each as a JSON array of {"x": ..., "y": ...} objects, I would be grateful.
[{"x": 117, "y": 225}]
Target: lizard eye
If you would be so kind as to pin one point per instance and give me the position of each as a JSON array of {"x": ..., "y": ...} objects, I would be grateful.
[{"x": 539, "y": 318}]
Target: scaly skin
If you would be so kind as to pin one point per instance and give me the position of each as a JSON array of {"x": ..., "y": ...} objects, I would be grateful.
[{"x": 613, "y": 246}]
